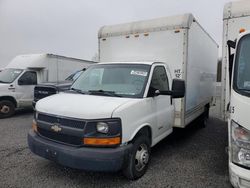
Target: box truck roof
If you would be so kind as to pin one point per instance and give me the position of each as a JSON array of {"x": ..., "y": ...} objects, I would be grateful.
[
  {"x": 236, "y": 9},
  {"x": 165, "y": 23},
  {"x": 28, "y": 61},
  {"x": 38, "y": 61}
]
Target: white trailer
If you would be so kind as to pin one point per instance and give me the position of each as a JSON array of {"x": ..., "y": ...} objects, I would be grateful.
[
  {"x": 178, "y": 41},
  {"x": 236, "y": 89},
  {"x": 19, "y": 77},
  {"x": 129, "y": 102}
]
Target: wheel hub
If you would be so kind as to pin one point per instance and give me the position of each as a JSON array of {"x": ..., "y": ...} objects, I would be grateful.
[
  {"x": 141, "y": 157},
  {"x": 5, "y": 109}
]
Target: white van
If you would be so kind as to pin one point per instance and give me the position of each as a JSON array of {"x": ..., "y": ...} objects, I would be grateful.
[{"x": 18, "y": 79}]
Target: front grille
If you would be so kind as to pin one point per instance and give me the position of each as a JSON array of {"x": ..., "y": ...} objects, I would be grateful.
[
  {"x": 42, "y": 92},
  {"x": 69, "y": 139},
  {"x": 73, "y": 123},
  {"x": 67, "y": 135}
]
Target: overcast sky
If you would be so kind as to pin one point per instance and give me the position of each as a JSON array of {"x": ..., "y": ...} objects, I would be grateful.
[{"x": 69, "y": 27}]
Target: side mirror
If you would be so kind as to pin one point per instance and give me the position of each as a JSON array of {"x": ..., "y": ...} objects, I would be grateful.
[
  {"x": 231, "y": 44},
  {"x": 178, "y": 88}
]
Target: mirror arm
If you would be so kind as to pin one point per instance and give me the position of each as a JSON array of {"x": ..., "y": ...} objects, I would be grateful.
[{"x": 166, "y": 92}]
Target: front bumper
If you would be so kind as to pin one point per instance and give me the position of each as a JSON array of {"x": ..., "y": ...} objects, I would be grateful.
[
  {"x": 239, "y": 177},
  {"x": 84, "y": 158}
]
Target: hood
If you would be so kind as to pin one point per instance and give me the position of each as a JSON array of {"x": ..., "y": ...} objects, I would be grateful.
[
  {"x": 56, "y": 83},
  {"x": 61, "y": 86},
  {"x": 80, "y": 105}
]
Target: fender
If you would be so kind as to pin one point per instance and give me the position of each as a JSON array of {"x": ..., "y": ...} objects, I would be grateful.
[{"x": 140, "y": 128}]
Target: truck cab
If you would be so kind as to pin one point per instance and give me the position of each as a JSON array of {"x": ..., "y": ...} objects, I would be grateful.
[
  {"x": 16, "y": 89},
  {"x": 109, "y": 120},
  {"x": 238, "y": 121}
]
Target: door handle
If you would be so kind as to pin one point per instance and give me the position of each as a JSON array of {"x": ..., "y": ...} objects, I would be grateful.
[{"x": 11, "y": 88}]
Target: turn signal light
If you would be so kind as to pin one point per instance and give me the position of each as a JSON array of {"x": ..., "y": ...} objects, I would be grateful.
[
  {"x": 34, "y": 126},
  {"x": 102, "y": 141}
]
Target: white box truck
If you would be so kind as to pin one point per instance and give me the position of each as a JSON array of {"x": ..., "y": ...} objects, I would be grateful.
[
  {"x": 236, "y": 89},
  {"x": 19, "y": 77},
  {"x": 118, "y": 109}
]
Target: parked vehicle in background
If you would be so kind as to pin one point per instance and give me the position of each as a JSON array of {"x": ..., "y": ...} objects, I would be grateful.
[
  {"x": 118, "y": 109},
  {"x": 18, "y": 79},
  {"x": 236, "y": 89},
  {"x": 50, "y": 88}
]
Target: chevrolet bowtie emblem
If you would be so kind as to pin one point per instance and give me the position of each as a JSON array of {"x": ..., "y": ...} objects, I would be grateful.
[{"x": 56, "y": 128}]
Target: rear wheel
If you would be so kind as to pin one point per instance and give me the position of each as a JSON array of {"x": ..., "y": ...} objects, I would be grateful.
[
  {"x": 138, "y": 159},
  {"x": 205, "y": 117},
  {"x": 7, "y": 109}
]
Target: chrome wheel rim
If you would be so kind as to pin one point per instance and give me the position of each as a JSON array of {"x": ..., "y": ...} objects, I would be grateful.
[{"x": 141, "y": 157}]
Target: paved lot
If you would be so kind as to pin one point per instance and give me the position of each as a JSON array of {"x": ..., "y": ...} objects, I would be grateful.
[{"x": 192, "y": 157}]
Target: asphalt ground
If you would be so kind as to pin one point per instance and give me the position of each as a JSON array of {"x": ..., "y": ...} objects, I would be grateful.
[{"x": 191, "y": 157}]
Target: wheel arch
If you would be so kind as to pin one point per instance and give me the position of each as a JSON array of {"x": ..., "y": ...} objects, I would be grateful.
[
  {"x": 9, "y": 98},
  {"x": 143, "y": 130}
]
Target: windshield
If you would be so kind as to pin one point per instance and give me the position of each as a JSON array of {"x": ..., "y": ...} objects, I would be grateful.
[
  {"x": 9, "y": 75},
  {"x": 123, "y": 80},
  {"x": 74, "y": 76}
]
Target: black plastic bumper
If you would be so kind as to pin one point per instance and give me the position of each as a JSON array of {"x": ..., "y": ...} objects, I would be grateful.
[{"x": 90, "y": 159}]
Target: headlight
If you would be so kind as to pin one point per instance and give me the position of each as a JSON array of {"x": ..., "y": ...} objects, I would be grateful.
[
  {"x": 105, "y": 132},
  {"x": 240, "y": 144},
  {"x": 102, "y": 127}
]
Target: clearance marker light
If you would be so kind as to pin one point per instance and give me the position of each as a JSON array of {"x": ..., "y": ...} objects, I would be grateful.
[{"x": 242, "y": 30}]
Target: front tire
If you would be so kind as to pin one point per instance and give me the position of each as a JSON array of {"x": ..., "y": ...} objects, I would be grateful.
[
  {"x": 138, "y": 159},
  {"x": 7, "y": 109}
]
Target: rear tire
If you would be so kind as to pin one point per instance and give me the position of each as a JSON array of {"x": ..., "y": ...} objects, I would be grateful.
[
  {"x": 7, "y": 109},
  {"x": 205, "y": 117},
  {"x": 138, "y": 159}
]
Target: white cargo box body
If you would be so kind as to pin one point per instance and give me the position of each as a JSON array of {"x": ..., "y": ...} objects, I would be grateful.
[
  {"x": 53, "y": 68},
  {"x": 181, "y": 43},
  {"x": 236, "y": 16}
]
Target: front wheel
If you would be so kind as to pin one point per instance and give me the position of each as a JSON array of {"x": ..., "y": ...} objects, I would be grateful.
[
  {"x": 7, "y": 109},
  {"x": 138, "y": 159}
]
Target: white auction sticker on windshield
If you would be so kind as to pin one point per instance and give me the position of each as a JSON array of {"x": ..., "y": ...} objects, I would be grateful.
[
  {"x": 17, "y": 72},
  {"x": 247, "y": 84},
  {"x": 139, "y": 73}
]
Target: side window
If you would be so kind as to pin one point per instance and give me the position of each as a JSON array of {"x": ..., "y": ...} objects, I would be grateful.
[
  {"x": 159, "y": 80},
  {"x": 28, "y": 78}
]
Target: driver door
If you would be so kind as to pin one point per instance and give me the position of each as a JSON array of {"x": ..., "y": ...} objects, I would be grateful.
[
  {"x": 25, "y": 88},
  {"x": 161, "y": 105}
]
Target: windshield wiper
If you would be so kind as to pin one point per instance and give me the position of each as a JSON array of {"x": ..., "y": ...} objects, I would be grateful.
[
  {"x": 2, "y": 81},
  {"x": 102, "y": 92},
  {"x": 77, "y": 90}
]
